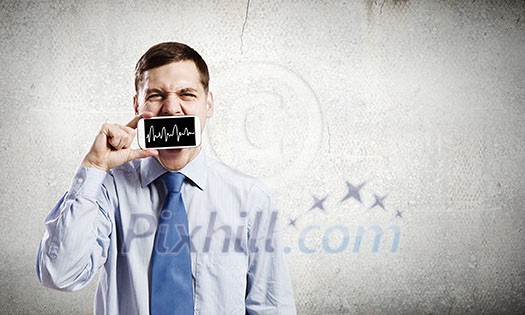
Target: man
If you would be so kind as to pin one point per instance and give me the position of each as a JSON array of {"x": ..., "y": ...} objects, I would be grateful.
[{"x": 110, "y": 219}]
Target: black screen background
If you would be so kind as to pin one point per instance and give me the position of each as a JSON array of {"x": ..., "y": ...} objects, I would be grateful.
[{"x": 184, "y": 125}]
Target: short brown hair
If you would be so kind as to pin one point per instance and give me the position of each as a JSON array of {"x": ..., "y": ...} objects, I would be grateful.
[{"x": 168, "y": 52}]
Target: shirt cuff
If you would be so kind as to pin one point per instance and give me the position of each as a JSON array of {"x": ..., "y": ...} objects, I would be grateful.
[{"x": 87, "y": 182}]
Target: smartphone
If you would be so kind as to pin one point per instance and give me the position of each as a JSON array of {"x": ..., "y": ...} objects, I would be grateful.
[{"x": 169, "y": 132}]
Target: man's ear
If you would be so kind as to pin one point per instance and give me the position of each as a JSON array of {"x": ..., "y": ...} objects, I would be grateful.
[
  {"x": 209, "y": 105},
  {"x": 136, "y": 104}
]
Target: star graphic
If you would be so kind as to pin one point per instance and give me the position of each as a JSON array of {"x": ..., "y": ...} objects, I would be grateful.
[
  {"x": 318, "y": 203},
  {"x": 379, "y": 201},
  {"x": 399, "y": 214},
  {"x": 353, "y": 192},
  {"x": 291, "y": 222}
]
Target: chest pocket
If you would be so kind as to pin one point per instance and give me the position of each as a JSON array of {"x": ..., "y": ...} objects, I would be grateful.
[{"x": 220, "y": 283}]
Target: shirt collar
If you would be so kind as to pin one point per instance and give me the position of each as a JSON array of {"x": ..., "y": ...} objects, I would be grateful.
[{"x": 195, "y": 170}]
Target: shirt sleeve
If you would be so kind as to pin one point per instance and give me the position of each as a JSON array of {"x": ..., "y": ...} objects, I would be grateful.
[
  {"x": 76, "y": 238},
  {"x": 269, "y": 288}
]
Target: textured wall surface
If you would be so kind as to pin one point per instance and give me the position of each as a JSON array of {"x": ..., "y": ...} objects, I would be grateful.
[{"x": 391, "y": 134}]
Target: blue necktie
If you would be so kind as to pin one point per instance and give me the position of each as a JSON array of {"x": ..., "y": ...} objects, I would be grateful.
[{"x": 171, "y": 285}]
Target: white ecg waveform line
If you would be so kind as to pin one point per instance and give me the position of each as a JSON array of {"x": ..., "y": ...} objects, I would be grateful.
[{"x": 165, "y": 135}]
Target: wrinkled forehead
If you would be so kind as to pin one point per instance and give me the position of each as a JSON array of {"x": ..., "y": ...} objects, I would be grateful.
[{"x": 172, "y": 76}]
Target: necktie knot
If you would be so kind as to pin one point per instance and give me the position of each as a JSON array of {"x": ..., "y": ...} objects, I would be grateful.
[{"x": 173, "y": 181}]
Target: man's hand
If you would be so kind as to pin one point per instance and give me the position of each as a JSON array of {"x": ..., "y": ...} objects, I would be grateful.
[{"x": 111, "y": 147}]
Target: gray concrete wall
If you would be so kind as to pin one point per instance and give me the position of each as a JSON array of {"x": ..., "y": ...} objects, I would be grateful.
[{"x": 422, "y": 101}]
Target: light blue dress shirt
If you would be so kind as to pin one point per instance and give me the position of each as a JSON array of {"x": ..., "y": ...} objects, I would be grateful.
[{"x": 107, "y": 221}]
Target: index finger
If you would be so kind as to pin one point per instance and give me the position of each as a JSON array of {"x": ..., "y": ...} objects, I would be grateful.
[{"x": 133, "y": 123}]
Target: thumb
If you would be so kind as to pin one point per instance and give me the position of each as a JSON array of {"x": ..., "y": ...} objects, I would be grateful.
[{"x": 139, "y": 153}]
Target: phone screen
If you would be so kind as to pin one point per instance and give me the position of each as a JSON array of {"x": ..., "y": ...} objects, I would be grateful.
[{"x": 169, "y": 132}]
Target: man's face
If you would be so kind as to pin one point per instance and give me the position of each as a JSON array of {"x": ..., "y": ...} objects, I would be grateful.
[{"x": 171, "y": 90}]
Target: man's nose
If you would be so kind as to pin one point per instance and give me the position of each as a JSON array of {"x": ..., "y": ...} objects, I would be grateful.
[{"x": 172, "y": 105}]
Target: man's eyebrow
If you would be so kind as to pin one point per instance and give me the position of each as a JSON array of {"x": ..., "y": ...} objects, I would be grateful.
[
  {"x": 148, "y": 91},
  {"x": 183, "y": 90},
  {"x": 188, "y": 89}
]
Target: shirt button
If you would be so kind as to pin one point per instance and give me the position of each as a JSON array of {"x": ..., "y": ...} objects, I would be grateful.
[
  {"x": 53, "y": 249},
  {"x": 80, "y": 180}
]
